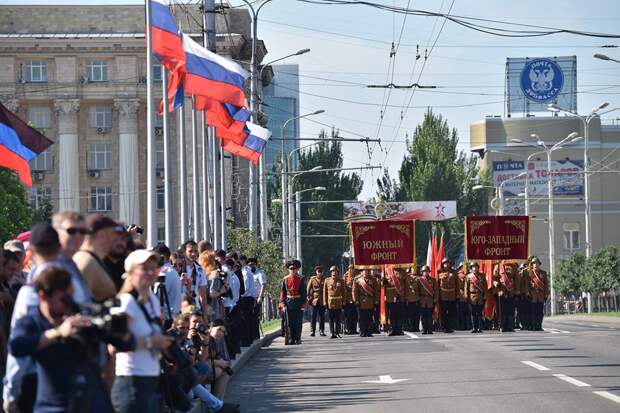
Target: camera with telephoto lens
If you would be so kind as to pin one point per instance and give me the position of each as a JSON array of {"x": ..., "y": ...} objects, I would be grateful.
[
  {"x": 223, "y": 276},
  {"x": 175, "y": 354},
  {"x": 102, "y": 325}
]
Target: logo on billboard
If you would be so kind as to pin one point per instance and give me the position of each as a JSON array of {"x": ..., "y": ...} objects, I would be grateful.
[{"x": 541, "y": 80}]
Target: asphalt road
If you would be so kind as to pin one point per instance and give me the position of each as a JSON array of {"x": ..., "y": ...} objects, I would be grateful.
[{"x": 573, "y": 366}]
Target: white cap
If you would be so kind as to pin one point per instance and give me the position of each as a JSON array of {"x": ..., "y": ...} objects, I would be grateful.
[{"x": 138, "y": 257}]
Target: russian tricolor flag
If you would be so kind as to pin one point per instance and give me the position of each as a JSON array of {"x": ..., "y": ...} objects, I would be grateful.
[
  {"x": 256, "y": 138},
  {"x": 213, "y": 76},
  {"x": 167, "y": 43},
  {"x": 19, "y": 144},
  {"x": 228, "y": 120}
]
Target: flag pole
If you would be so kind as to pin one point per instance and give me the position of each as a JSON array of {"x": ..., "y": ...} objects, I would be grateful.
[
  {"x": 195, "y": 175},
  {"x": 167, "y": 162},
  {"x": 208, "y": 136},
  {"x": 223, "y": 228},
  {"x": 151, "y": 224}
]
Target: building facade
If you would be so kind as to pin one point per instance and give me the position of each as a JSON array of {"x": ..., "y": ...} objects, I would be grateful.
[
  {"x": 78, "y": 73},
  {"x": 492, "y": 139}
]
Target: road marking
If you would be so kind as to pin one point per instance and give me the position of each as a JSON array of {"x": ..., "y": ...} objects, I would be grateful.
[
  {"x": 535, "y": 365},
  {"x": 386, "y": 380},
  {"x": 557, "y": 331},
  {"x": 608, "y": 396},
  {"x": 410, "y": 335},
  {"x": 570, "y": 380}
]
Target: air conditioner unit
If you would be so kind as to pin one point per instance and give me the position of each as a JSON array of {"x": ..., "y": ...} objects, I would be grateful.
[
  {"x": 94, "y": 173},
  {"x": 21, "y": 80},
  {"x": 142, "y": 79},
  {"x": 102, "y": 131},
  {"x": 38, "y": 176},
  {"x": 159, "y": 131},
  {"x": 83, "y": 80},
  {"x": 159, "y": 173}
]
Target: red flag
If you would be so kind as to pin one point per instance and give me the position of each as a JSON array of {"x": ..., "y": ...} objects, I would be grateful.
[
  {"x": 434, "y": 256},
  {"x": 486, "y": 266},
  {"x": 441, "y": 253}
]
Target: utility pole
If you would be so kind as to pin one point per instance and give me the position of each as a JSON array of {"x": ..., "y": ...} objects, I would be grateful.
[{"x": 151, "y": 225}]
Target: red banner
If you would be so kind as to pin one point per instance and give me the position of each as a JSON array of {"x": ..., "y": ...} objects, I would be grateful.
[
  {"x": 379, "y": 243},
  {"x": 497, "y": 238}
]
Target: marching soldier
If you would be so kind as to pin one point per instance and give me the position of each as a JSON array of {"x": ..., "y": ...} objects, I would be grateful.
[
  {"x": 350, "y": 312},
  {"x": 538, "y": 292},
  {"x": 315, "y": 300},
  {"x": 464, "y": 315},
  {"x": 333, "y": 297},
  {"x": 412, "y": 296},
  {"x": 293, "y": 300},
  {"x": 475, "y": 291},
  {"x": 506, "y": 284},
  {"x": 376, "y": 325},
  {"x": 448, "y": 294},
  {"x": 523, "y": 303},
  {"x": 429, "y": 295},
  {"x": 366, "y": 296},
  {"x": 394, "y": 284}
]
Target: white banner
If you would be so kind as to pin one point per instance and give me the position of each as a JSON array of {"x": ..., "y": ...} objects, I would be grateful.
[
  {"x": 421, "y": 211},
  {"x": 567, "y": 177}
]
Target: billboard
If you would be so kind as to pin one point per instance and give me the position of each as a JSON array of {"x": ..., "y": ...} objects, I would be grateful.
[
  {"x": 421, "y": 211},
  {"x": 534, "y": 82},
  {"x": 567, "y": 177}
]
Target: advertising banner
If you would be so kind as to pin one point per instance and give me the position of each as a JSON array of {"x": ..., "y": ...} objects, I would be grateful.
[
  {"x": 567, "y": 177},
  {"x": 406, "y": 211},
  {"x": 379, "y": 243},
  {"x": 497, "y": 237}
]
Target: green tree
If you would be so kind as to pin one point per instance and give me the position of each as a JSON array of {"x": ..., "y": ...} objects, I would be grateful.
[
  {"x": 268, "y": 254},
  {"x": 603, "y": 270},
  {"x": 339, "y": 186},
  {"x": 434, "y": 170},
  {"x": 570, "y": 275},
  {"x": 15, "y": 213}
]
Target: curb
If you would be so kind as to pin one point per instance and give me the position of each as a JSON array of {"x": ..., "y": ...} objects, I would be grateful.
[{"x": 248, "y": 352}]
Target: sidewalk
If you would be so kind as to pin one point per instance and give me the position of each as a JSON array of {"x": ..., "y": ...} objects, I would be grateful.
[{"x": 585, "y": 317}]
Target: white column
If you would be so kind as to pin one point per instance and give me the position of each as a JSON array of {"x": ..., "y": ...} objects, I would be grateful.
[
  {"x": 68, "y": 154},
  {"x": 128, "y": 196}
]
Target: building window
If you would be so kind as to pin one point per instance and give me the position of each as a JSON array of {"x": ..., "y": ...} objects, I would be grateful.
[
  {"x": 159, "y": 155},
  {"x": 160, "y": 197},
  {"x": 40, "y": 196},
  {"x": 571, "y": 236},
  {"x": 40, "y": 117},
  {"x": 97, "y": 71},
  {"x": 159, "y": 120},
  {"x": 43, "y": 162},
  {"x": 161, "y": 235},
  {"x": 36, "y": 71},
  {"x": 100, "y": 117},
  {"x": 100, "y": 156},
  {"x": 157, "y": 72},
  {"x": 100, "y": 198}
]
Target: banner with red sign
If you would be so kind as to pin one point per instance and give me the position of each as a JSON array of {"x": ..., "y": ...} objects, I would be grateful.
[
  {"x": 379, "y": 243},
  {"x": 497, "y": 238}
]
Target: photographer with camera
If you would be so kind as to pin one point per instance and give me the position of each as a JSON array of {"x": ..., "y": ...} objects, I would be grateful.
[
  {"x": 218, "y": 284},
  {"x": 137, "y": 371},
  {"x": 196, "y": 274},
  {"x": 65, "y": 382},
  {"x": 168, "y": 286}
]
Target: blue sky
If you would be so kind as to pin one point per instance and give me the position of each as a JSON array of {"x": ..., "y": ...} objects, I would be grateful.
[{"x": 467, "y": 66}]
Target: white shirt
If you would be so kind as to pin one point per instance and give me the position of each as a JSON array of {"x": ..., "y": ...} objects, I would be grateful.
[
  {"x": 200, "y": 281},
  {"x": 260, "y": 280},
  {"x": 141, "y": 362},
  {"x": 173, "y": 289},
  {"x": 235, "y": 286},
  {"x": 249, "y": 279}
]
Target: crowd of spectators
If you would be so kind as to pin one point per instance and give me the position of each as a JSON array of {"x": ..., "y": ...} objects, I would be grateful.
[{"x": 91, "y": 320}]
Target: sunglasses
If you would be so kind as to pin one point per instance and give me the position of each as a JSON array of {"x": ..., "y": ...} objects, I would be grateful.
[{"x": 76, "y": 231}]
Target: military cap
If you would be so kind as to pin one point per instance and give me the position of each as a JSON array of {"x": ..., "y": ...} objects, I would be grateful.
[
  {"x": 333, "y": 268},
  {"x": 474, "y": 264},
  {"x": 425, "y": 268},
  {"x": 446, "y": 259},
  {"x": 534, "y": 259}
]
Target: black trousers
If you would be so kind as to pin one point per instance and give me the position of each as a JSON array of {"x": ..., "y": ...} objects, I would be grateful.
[
  {"x": 335, "y": 322},
  {"x": 256, "y": 312},
  {"x": 413, "y": 316},
  {"x": 233, "y": 331},
  {"x": 464, "y": 316},
  {"x": 427, "y": 320},
  {"x": 523, "y": 310},
  {"x": 318, "y": 311},
  {"x": 350, "y": 318},
  {"x": 476, "y": 316},
  {"x": 536, "y": 314},
  {"x": 365, "y": 320},
  {"x": 508, "y": 313},
  {"x": 448, "y": 314},
  {"x": 294, "y": 324},
  {"x": 396, "y": 314},
  {"x": 376, "y": 319},
  {"x": 246, "y": 306}
]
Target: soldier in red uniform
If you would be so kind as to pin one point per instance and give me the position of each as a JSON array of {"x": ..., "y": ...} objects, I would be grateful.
[{"x": 293, "y": 300}]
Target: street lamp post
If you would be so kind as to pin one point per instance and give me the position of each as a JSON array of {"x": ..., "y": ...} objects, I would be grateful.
[
  {"x": 571, "y": 138},
  {"x": 585, "y": 120},
  {"x": 298, "y": 218},
  {"x": 291, "y": 209},
  {"x": 283, "y": 172}
]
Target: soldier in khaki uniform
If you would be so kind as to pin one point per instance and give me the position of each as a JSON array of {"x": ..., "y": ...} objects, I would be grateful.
[
  {"x": 475, "y": 291},
  {"x": 429, "y": 295},
  {"x": 448, "y": 295},
  {"x": 366, "y": 293},
  {"x": 521, "y": 299},
  {"x": 333, "y": 297},
  {"x": 394, "y": 284},
  {"x": 412, "y": 296},
  {"x": 462, "y": 307},
  {"x": 350, "y": 312},
  {"x": 538, "y": 292},
  {"x": 315, "y": 300},
  {"x": 507, "y": 289}
]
